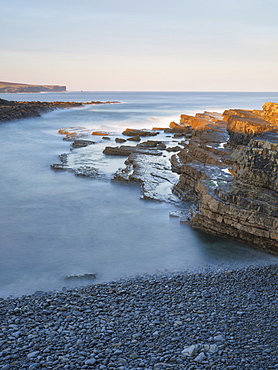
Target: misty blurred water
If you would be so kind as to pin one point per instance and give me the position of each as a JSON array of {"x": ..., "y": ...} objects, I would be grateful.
[{"x": 53, "y": 224}]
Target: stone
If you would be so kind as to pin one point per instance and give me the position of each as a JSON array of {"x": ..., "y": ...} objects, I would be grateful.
[
  {"x": 100, "y": 133},
  {"x": 134, "y": 138},
  {"x": 125, "y": 150},
  {"x": 33, "y": 354},
  {"x": 200, "y": 358},
  {"x": 82, "y": 143},
  {"x": 90, "y": 361},
  {"x": 136, "y": 132},
  {"x": 190, "y": 350},
  {"x": 120, "y": 140},
  {"x": 88, "y": 276}
]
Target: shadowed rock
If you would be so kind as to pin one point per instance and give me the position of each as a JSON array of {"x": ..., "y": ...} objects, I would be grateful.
[
  {"x": 125, "y": 150},
  {"x": 13, "y": 110},
  {"x": 81, "y": 277},
  {"x": 82, "y": 143},
  {"x": 136, "y": 132}
]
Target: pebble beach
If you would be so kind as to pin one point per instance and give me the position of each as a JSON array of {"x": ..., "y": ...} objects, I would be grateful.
[{"x": 206, "y": 320}]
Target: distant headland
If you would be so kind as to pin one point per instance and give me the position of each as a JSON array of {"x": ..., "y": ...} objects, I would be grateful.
[{"x": 14, "y": 87}]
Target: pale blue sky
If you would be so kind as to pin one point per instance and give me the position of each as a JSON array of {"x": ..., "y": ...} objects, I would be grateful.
[{"x": 178, "y": 45}]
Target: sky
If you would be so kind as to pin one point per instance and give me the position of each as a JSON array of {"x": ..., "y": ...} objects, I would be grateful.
[{"x": 146, "y": 45}]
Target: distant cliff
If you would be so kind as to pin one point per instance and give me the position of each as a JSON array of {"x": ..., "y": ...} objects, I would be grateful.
[{"x": 10, "y": 87}]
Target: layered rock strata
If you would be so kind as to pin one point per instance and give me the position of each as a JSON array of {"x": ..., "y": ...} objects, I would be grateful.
[
  {"x": 230, "y": 172},
  {"x": 225, "y": 170}
]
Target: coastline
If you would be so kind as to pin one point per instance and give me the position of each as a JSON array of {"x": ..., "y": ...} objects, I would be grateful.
[
  {"x": 14, "y": 110},
  {"x": 212, "y": 320},
  {"x": 206, "y": 320},
  {"x": 226, "y": 165}
]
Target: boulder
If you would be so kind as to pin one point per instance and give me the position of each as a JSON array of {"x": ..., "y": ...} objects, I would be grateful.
[{"x": 120, "y": 140}]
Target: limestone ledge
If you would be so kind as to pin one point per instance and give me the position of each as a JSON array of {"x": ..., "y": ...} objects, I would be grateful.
[
  {"x": 233, "y": 182},
  {"x": 225, "y": 169}
]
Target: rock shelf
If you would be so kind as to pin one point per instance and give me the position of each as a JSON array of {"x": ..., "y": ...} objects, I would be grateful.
[
  {"x": 230, "y": 169},
  {"x": 213, "y": 320},
  {"x": 225, "y": 168}
]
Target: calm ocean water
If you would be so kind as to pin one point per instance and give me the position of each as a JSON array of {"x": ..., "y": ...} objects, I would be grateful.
[{"x": 53, "y": 224}]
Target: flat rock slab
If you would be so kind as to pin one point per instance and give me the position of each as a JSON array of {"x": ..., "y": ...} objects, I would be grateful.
[
  {"x": 125, "y": 150},
  {"x": 136, "y": 132},
  {"x": 77, "y": 164},
  {"x": 153, "y": 173},
  {"x": 82, "y": 143}
]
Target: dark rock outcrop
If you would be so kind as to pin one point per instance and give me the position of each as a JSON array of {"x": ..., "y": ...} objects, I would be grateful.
[{"x": 13, "y": 110}]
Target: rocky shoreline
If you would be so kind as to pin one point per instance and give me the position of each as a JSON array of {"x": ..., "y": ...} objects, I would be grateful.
[
  {"x": 229, "y": 169},
  {"x": 209, "y": 320},
  {"x": 14, "y": 110},
  {"x": 226, "y": 164}
]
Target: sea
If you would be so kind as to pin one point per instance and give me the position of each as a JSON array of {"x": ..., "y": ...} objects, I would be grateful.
[{"x": 54, "y": 224}]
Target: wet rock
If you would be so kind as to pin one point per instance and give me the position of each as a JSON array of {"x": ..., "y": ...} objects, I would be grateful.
[
  {"x": 125, "y": 150},
  {"x": 152, "y": 144},
  {"x": 81, "y": 143},
  {"x": 134, "y": 138},
  {"x": 77, "y": 165},
  {"x": 120, "y": 140},
  {"x": 13, "y": 110},
  {"x": 173, "y": 148},
  {"x": 136, "y": 132},
  {"x": 87, "y": 276},
  {"x": 100, "y": 133},
  {"x": 152, "y": 173}
]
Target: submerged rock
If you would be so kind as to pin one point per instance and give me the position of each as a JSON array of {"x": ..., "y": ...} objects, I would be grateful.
[
  {"x": 81, "y": 277},
  {"x": 153, "y": 174},
  {"x": 77, "y": 165}
]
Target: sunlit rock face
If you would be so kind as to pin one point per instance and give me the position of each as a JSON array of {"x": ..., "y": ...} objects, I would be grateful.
[
  {"x": 201, "y": 121},
  {"x": 232, "y": 175},
  {"x": 269, "y": 112},
  {"x": 243, "y": 125}
]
